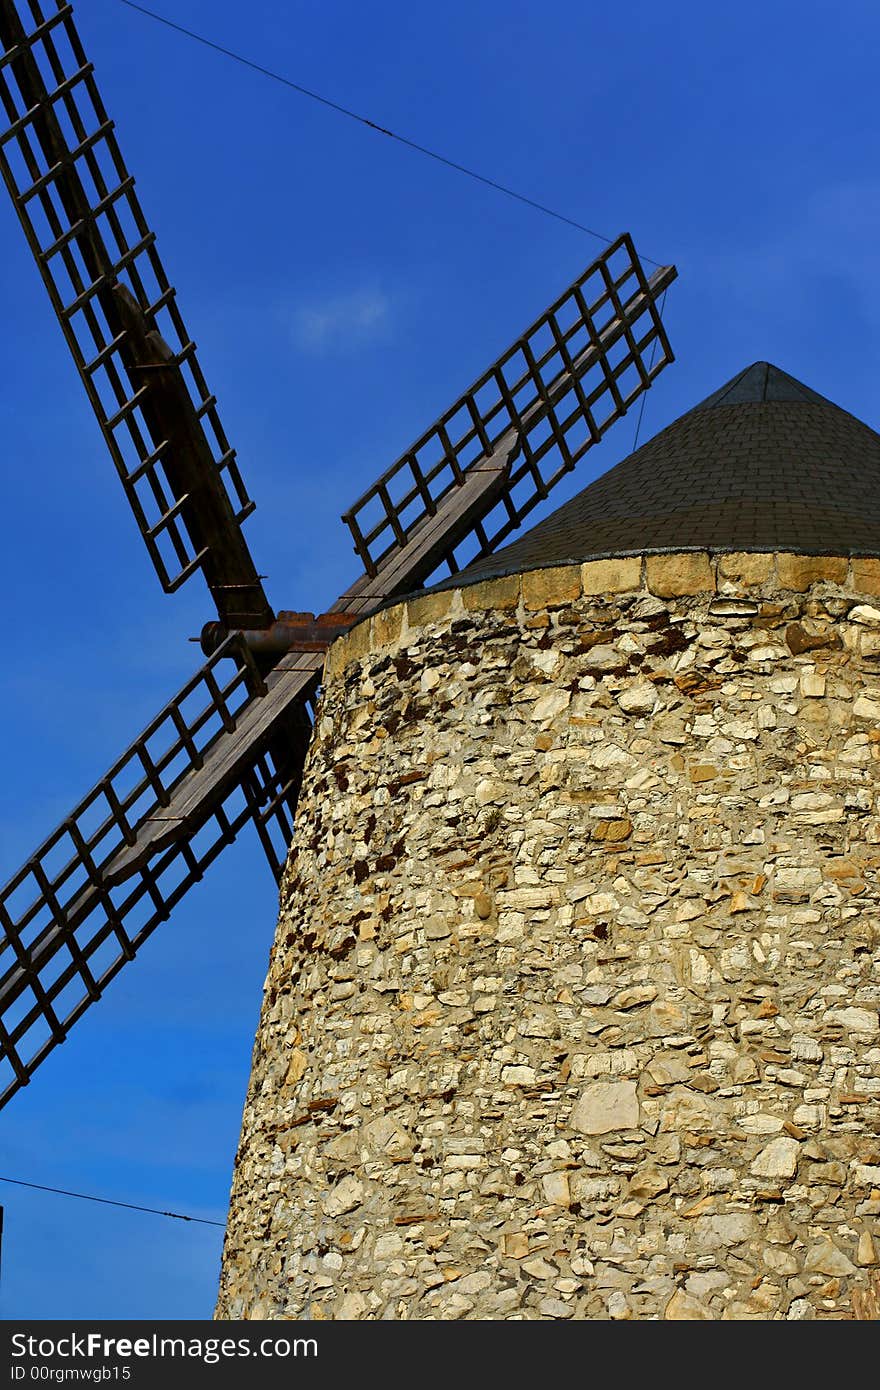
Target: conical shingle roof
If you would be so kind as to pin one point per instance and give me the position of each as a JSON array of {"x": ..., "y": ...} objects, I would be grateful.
[{"x": 763, "y": 464}]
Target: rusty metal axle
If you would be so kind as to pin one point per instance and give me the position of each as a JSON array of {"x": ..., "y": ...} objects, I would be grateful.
[{"x": 297, "y": 632}]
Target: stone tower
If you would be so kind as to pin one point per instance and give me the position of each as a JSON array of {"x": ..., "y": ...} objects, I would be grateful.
[{"x": 572, "y": 1010}]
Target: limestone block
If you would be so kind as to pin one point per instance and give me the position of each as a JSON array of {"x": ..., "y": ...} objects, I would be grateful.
[
  {"x": 606, "y": 1106},
  {"x": 387, "y": 626},
  {"x": 827, "y": 1258},
  {"x": 429, "y": 608},
  {"x": 865, "y": 614},
  {"x": 492, "y": 593},
  {"x": 812, "y": 685},
  {"x": 800, "y": 571},
  {"x": 641, "y": 698},
  {"x": 354, "y": 645},
  {"x": 866, "y": 708},
  {"x": 855, "y": 1020},
  {"x": 347, "y": 1194},
  {"x": 555, "y": 1187},
  {"x": 612, "y": 576},
  {"x": 778, "y": 1159},
  {"x": 741, "y": 567},
  {"x": 670, "y": 576},
  {"x": 866, "y": 576},
  {"x": 551, "y": 588},
  {"x": 683, "y": 1307}
]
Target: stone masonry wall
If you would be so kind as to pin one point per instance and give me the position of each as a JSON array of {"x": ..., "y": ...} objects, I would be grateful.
[{"x": 573, "y": 1006}]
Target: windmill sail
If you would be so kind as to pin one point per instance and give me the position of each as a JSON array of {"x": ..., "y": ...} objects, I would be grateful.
[
  {"x": 85, "y": 902},
  {"x": 471, "y": 479},
  {"x": 97, "y": 255}
]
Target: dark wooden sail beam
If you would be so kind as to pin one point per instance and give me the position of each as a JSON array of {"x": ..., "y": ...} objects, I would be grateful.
[{"x": 202, "y": 501}]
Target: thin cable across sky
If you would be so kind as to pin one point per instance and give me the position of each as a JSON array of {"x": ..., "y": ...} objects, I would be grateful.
[
  {"x": 111, "y": 1202},
  {"x": 372, "y": 125}
]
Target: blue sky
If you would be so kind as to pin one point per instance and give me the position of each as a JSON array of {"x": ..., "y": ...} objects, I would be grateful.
[{"x": 343, "y": 290}]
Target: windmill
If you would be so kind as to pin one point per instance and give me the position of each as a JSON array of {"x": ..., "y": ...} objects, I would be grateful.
[{"x": 228, "y": 749}]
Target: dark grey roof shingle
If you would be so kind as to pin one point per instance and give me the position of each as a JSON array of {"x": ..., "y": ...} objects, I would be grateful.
[{"x": 762, "y": 464}]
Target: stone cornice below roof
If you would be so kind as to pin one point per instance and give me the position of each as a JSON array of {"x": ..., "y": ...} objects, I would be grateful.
[{"x": 739, "y": 585}]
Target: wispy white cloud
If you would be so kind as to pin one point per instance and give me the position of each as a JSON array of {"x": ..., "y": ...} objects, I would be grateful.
[{"x": 342, "y": 321}]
